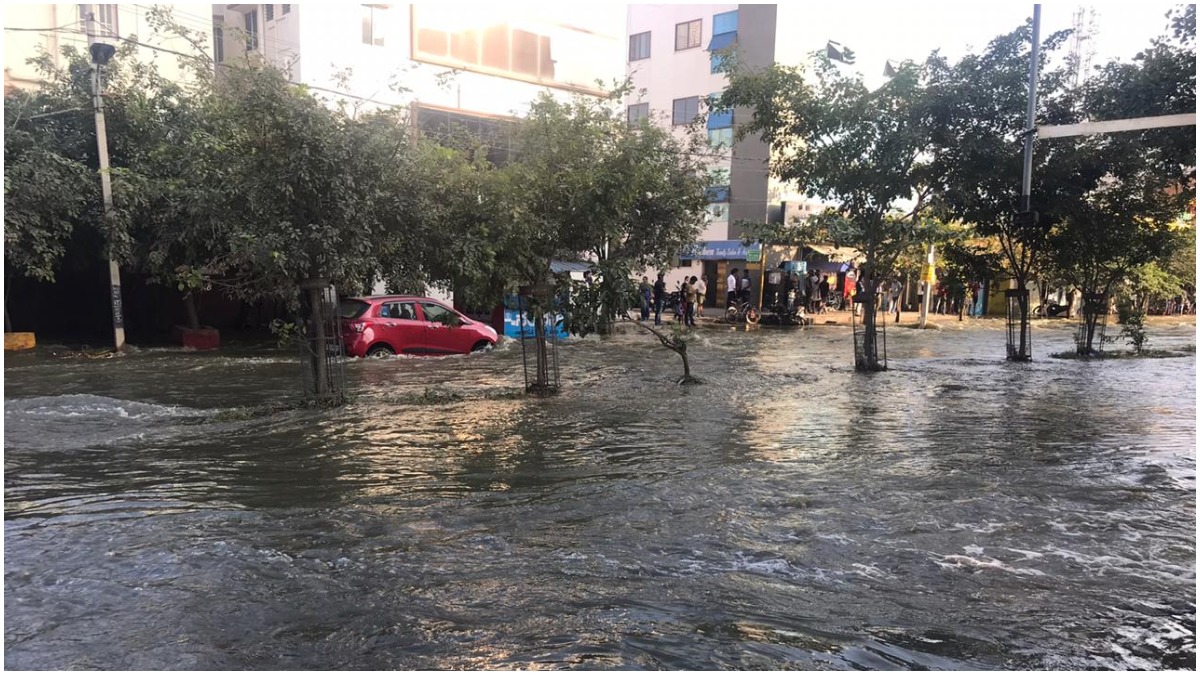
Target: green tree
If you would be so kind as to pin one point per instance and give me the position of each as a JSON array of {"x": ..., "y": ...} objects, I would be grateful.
[
  {"x": 626, "y": 197},
  {"x": 838, "y": 141},
  {"x": 1117, "y": 218},
  {"x": 45, "y": 194},
  {"x": 588, "y": 184},
  {"x": 978, "y": 109}
]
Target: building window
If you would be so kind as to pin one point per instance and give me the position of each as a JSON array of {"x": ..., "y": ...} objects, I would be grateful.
[
  {"x": 372, "y": 30},
  {"x": 687, "y": 35},
  {"x": 638, "y": 112},
  {"x": 718, "y": 210},
  {"x": 270, "y": 10},
  {"x": 720, "y": 138},
  {"x": 251, "y": 24},
  {"x": 639, "y": 46},
  {"x": 719, "y": 176},
  {"x": 725, "y": 23},
  {"x": 287, "y": 9},
  {"x": 717, "y": 193},
  {"x": 106, "y": 19},
  {"x": 218, "y": 44},
  {"x": 718, "y": 118},
  {"x": 684, "y": 110}
]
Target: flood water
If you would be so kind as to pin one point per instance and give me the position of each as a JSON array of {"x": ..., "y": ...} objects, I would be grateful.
[{"x": 956, "y": 512}]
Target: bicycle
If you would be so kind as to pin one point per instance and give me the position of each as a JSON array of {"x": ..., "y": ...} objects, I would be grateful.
[{"x": 742, "y": 310}]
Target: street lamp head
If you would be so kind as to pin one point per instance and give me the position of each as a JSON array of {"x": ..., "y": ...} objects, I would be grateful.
[{"x": 102, "y": 53}]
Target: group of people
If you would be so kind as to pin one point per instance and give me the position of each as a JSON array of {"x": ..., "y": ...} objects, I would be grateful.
[{"x": 691, "y": 292}]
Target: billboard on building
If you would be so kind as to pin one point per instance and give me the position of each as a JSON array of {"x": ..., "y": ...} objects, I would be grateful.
[{"x": 559, "y": 46}]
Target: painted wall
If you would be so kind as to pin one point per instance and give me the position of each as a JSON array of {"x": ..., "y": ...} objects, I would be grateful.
[{"x": 749, "y": 186}]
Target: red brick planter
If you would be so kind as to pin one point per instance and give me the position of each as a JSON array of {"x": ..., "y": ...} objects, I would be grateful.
[{"x": 199, "y": 338}]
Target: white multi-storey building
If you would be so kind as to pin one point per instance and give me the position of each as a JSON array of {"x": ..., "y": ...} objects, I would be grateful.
[
  {"x": 448, "y": 62},
  {"x": 672, "y": 61},
  {"x": 34, "y": 28}
]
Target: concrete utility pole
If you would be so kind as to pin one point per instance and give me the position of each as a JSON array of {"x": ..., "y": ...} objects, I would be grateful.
[{"x": 101, "y": 54}]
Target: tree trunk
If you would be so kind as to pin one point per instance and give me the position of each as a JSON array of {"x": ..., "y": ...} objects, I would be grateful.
[
  {"x": 193, "y": 317},
  {"x": 1091, "y": 316}
]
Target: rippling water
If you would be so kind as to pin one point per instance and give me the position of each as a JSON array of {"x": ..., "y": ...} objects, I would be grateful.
[{"x": 956, "y": 512}]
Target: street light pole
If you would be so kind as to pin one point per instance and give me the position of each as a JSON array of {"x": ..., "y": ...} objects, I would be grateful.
[
  {"x": 101, "y": 54},
  {"x": 1030, "y": 129}
]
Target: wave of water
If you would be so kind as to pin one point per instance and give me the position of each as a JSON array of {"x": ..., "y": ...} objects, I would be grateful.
[{"x": 958, "y": 512}]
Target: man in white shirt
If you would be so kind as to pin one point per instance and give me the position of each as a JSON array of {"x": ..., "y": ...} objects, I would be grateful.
[
  {"x": 701, "y": 293},
  {"x": 731, "y": 284}
]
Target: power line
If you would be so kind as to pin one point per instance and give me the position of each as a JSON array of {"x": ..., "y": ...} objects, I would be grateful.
[{"x": 46, "y": 30}]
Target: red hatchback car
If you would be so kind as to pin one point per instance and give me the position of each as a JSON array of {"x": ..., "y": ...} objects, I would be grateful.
[{"x": 405, "y": 324}]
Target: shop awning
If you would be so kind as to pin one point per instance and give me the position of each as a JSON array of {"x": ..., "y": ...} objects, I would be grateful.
[
  {"x": 566, "y": 267},
  {"x": 717, "y": 250}
]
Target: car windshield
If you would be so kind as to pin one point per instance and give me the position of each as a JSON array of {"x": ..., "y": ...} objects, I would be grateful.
[{"x": 352, "y": 309}]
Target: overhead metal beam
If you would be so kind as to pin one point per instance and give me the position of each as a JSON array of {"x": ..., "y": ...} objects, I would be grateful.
[{"x": 1132, "y": 124}]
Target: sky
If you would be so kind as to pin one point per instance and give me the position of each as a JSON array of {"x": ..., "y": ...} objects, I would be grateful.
[{"x": 878, "y": 31}]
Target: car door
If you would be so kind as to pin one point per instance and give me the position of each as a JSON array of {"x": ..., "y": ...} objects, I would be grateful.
[
  {"x": 400, "y": 327},
  {"x": 442, "y": 337}
]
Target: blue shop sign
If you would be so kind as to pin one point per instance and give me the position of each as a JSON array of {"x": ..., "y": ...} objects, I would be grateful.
[{"x": 717, "y": 250}]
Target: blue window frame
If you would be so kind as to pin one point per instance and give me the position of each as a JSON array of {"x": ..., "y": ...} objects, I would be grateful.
[
  {"x": 724, "y": 35},
  {"x": 725, "y": 22},
  {"x": 718, "y": 119},
  {"x": 715, "y": 63}
]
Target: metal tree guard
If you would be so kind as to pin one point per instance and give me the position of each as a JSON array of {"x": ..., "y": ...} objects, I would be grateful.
[
  {"x": 1094, "y": 305},
  {"x": 1020, "y": 344},
  {"x": 545, "y": 368},
  {"x": 321, "y": 349},
  {"x": 865, "y": 354}
]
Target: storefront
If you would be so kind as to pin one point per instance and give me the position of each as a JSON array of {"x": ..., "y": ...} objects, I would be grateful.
[{"x": 716, "y": 259}]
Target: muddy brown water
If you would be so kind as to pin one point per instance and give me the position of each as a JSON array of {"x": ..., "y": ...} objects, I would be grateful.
[{"x": 956, "y": 512}]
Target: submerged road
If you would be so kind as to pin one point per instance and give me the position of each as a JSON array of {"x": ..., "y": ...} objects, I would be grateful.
[{"x": 956, "y": 512}]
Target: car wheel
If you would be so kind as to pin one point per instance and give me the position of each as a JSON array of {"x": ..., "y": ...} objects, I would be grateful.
[
  {"x": 380, "y": 351},
  {"x": 482, "y": 346}
]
